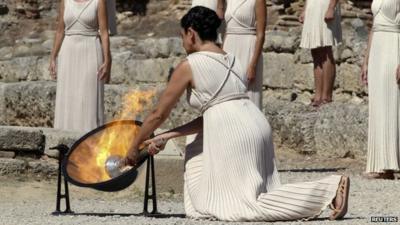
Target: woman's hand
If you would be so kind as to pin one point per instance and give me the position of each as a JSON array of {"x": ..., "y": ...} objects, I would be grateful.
[
  {"x": 302, "y": 16},
  {"x": 156, "y": 144},
  {"x": 104, "y": 72},
  {"x": 330, "y": 14},
  {"x": 53, "y": 69},
  {"x": 132, "y": 156},
  {"x": 398, "y": 74},
  {"x": 251, "y": 74},
  {"x": 364, "y": 73}
]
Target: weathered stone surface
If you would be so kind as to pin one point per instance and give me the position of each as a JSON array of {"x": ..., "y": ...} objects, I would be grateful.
[
  {"x": 28, "y": 103},
  {"x": 12, "y": 166},
  {"x": 3, "y": 8},
  {"x": 151, "y": 70},
  {"x": 6, "y": 53},
  {"x": 7, "y": 154},
  {"x": 49, "y": 168},
  {"x": 21, "y": 139},
  {"x": 303, "y": 56},
  {"x": 161, "y": 48},
  {"x": 281, "y": 41},
  {"x": 292, "y": 124},
  {"x": 335, "y": 130},
  {"x": 348, "y": 78},
  {"x": 282, "y": 72},
  {"x": 57, "y": 137},
  {"x": 341, "y": 131},
  {"x": 32, "y": 103},
  {"x": 24, "y": 69}
]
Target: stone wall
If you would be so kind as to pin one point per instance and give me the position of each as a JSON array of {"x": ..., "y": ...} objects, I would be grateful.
[{"x": 335, "y": 130}]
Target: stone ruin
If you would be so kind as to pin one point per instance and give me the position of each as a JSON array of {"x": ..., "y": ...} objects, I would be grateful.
[{"x": 143, "y": 58}]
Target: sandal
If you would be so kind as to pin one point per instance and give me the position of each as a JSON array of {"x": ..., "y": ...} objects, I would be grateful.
[
  {"x": 342, "y": 191},
  {"x": 383, "y": 175}
]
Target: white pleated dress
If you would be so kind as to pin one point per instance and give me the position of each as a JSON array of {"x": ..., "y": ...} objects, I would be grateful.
[
  {"x": 316, "y": 32},
  {"x": 233, "y": 176},
  {"x": 383, "y": 90},
  {"x": 240, "y": 40},
  {"x": 79, "y": 98}
]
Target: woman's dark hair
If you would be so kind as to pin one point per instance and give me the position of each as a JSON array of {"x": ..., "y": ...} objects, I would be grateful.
[{"x": 204, "y": 21}]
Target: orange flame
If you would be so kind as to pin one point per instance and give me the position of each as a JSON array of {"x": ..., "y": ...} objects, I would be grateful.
[{"x": 88, "y": 159}]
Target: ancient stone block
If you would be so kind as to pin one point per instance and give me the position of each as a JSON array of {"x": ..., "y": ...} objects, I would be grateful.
[
  {"x": 21, "y": 139},
  {"x": 12, "y": 166}
]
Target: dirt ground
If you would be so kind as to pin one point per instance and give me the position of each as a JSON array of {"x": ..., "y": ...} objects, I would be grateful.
[{"x": 26, "y": 200}]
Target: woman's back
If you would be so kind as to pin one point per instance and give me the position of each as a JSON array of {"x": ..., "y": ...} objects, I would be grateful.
[{"x": 216, "y": 76}]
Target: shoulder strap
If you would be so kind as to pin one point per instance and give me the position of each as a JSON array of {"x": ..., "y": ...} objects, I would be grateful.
[
  {"x": 233, "y": 15},
  {"x": 229, "y": 71},
  {"x": 77, "y": 17}
]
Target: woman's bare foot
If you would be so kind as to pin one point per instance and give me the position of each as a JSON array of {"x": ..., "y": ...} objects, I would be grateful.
[
  {"x": 340, "y": 202},
  {"x": 315, "y": 103},
  {"x": 325, "y": 101}
]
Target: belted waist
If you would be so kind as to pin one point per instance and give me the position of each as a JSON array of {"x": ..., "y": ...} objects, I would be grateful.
[
  {"x": 82, "y": 32},
  {"x": 222, "y": 99},
  {"x": 395, "y": 28},
  {"x": 241, "y": 30}
]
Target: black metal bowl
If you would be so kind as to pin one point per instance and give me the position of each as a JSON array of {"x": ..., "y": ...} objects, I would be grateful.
[{"x": 112, "y": 184}]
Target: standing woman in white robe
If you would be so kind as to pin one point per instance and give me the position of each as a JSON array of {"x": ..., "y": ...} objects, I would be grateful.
[
  {"x": 244, "y": 38},
  {"x": 81, "y": 62},
  {"x": 321, "y": 31},
  {"x": 381, "y": 72}
]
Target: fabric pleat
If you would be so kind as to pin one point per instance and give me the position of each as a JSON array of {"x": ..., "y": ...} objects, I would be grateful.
[
  {"x": 79, "y": 98},
  {"x": 384, "y": 122},
  {"x": 230, "y": 169},
  {"x": 241, "y": 42},
  {"x": 316, "y": 32}
]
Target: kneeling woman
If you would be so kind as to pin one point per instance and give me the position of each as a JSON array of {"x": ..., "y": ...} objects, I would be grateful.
[{"x": 234, "y": 176}]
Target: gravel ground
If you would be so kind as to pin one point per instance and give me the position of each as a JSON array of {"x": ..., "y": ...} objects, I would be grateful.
[{"x": 31, "y": 202}]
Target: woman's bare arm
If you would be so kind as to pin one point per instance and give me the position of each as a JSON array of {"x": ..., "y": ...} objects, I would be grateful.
[
  {"x": 261, "y": 17},
  {"x": 221, "y": 9},
  {"x": 303, "y": 12},
  {"x": 104, "y": 70},
  {"x": 180, "y": 80},
  {"x": 364, "y": 67},
  {"x": 193, "y": 127},
  {"x": 333, "y": 3},
  {"x": 330, "y": 13},
  {"x": 159, "y": 142},
  {"x": 58, "y": 39}
]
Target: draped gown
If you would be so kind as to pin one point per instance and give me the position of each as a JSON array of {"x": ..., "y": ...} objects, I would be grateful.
[
  {"x": 316, "y": 31},
  {"x": 233, "y": 176},
  {"x": 240, "y": 40},
  {"x": 383, "y": 90},
  {"x": 79, "y": 98}
]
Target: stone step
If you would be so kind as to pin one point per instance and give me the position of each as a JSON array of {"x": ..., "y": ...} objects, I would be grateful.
[
  {"x": 280, "y": 105},
  {"x": 32, "y": 103}
]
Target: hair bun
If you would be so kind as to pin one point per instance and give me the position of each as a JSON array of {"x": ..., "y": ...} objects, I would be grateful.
[{"x": 204, "y": 21}]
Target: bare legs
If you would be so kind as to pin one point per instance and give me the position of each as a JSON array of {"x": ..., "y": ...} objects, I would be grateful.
[{"x": 324, "y": 75}]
